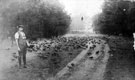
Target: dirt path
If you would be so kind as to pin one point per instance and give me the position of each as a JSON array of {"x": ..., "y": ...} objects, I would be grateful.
[
  {"x": 7, "y": 61},
  {"x": 91, "y": 69},
  {"x": 85, "y": 68},
  {"x": 121, "y": 64}
]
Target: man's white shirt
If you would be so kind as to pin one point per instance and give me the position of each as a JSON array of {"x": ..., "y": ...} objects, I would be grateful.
[{"x": 17, "y": 34}]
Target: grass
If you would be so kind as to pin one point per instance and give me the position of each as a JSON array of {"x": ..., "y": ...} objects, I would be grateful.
[{"x": 122, "y": 61}]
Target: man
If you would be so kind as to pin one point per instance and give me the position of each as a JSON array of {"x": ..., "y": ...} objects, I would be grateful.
[{"x": 22, "y": 44}]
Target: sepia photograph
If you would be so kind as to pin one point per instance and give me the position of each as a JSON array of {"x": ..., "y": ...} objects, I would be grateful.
[{"x": 67, "y": 39}]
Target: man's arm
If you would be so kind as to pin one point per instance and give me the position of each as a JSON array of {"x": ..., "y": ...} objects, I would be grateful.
[
  {"x": 17, "y": 41},
  {"x": 17, "y": 44},
  {"x": 27, "y": 42}
]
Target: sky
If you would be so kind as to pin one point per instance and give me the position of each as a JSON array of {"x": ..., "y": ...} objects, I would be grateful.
[
  {"x": 82, "y": 8},
  {"x": 87, "y": 7}
]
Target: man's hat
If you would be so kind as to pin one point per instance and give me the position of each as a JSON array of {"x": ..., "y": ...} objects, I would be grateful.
[{"x": 20, "y": 26}]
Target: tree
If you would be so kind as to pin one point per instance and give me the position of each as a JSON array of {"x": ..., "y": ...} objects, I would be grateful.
[
  {"x": 41, "y": 18},
  {"x": 117, "y": 18}
]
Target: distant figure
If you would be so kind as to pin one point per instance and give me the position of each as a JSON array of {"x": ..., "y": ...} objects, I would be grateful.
[
  {"x": 22, "y": 45},
  {"x": 82, "y": 18}
]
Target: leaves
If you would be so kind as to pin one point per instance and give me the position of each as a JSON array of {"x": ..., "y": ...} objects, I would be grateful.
[
  {"x": 41, "y": 18},
  {"x": 117, "y": 18}
]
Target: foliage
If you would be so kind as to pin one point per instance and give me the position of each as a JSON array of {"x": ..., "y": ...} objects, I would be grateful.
[
  {"x": 41, "y": 18},
  {"x": 117, "y": 18}
]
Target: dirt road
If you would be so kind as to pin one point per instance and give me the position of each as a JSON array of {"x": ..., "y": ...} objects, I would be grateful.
[
  {"x": 120, "y": 66},
  {"x": 8, "y": 63},
  {"x": 86, "y": 67},
  {"x": 9, "y": 69}
]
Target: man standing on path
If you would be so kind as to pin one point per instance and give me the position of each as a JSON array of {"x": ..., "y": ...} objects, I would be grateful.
[{"x": 22, "y": 45}]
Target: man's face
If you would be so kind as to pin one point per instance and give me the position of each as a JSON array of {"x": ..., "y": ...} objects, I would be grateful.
[{"x": 20, "y": 29}]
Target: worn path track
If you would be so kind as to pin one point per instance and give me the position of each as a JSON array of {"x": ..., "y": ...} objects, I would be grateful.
[{"x": 86, "y": 67}]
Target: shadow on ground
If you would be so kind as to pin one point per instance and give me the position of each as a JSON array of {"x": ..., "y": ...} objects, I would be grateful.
[{"x": 121, "y": 64}]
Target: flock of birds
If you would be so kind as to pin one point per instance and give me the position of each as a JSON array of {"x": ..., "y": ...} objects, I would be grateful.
[
  {"x": 51, "y": 49},
  {"x": 61, "y": 44}
]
